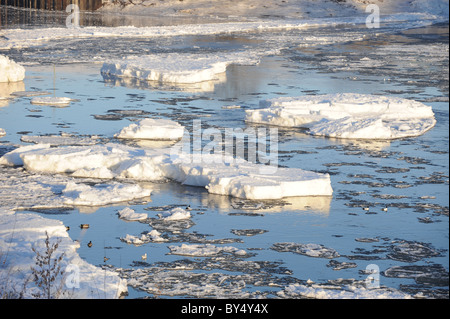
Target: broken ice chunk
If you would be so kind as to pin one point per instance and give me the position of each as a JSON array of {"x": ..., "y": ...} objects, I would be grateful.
[
  {"x": 129, "y": 214},
  {"x": 152, "y": 129},
  {"x": 51, "y": 100},
  {"x": 176, "y": 213},
  {"x": 85, "y": 195},
  {"x": 10, "y": 71},
  {"x": 357, "y": 116}
]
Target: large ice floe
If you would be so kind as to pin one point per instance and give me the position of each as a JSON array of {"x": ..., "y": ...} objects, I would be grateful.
[
  {"x": 22, "y": 232},
  {"x": 218, "y": 174},
  {"x": 10, "y": 71},
  {"x": 347, "y": 115},
  {"x": 178, "y": 68}
]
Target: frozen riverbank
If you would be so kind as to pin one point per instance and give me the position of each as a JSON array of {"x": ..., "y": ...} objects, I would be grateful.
[
  {"x": 279, "y": 8},
  {"x": 20, "y": 233}
]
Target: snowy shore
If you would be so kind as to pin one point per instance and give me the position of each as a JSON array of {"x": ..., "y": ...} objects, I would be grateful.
[{"x": 279, "y": 8}]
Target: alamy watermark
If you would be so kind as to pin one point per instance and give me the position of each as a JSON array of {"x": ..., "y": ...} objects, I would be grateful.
[
  {"x": 373, "y": 279},
  {"x": 73, "y": 20},
  {"x": 373, "y": 20},
  {"x": 229, "y": 146}
]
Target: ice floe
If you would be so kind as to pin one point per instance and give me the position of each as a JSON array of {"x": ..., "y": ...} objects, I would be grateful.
[
  {"x": 311, "y": 250},
  {"x": 176, "y": 213},
  {"x": 348, "y": 115},
  {"x": 58, "y": 140},
  {"x": 2, "y": 132},
  {"x": 152, "y": 129},
  {"x": 10, "y": 71},
  {"x": 85, "y": 195},
  {"x": 345, "y": 292},
  {"x": 152, "y": 236},
  {"x": 51, "y": 100},
  {"x": 176, "y": 67},
  {"x": 130, "y": 215},
  {"x": 205, "y": 250},
  {"x": 215, "y": 173},
  {"x": 20, "y": 232}
]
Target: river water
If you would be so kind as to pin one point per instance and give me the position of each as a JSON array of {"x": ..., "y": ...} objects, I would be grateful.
[{"x": 408, "y": 243}]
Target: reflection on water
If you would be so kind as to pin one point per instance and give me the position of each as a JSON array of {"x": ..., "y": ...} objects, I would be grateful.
[
  {"x": 135, "y": 83},
  {"x": 235, "y": 82},
  {"x": 6, "y": 89},
  {"x": 199, "y": 197}
]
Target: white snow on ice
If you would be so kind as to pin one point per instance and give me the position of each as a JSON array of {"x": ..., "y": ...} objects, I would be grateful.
[
  {"x": 152, "y": 129},
  {"x": 218, "y": 174},
  {"x": 85, "y": 195},
  {"x": 10, "y": 71},
  {"x": 20, "y": 232},
  {"x": 62, "y": 139},
  {"x": 152, "y": 236},
  {"x": 205, "y": 250},
  {"x": 130, "y": 215},
  {"x": 20, "y": 38},
  {"x": 176, "y": 67},
  {"x": 348, "y": 115},
  {"x": 290, "y": 9},
  {"x": 176, "y": 213},
  {"x": 346, "y": 292},
  {"x": 51, "y": 100}
]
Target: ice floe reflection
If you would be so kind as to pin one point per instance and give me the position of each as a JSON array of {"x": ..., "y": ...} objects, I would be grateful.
[{"x": 7, "y": 90}]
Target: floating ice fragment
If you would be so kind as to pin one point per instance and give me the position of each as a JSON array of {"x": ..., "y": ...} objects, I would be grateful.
[
  {"x": 153, "y": 236},
  {"x": 206, "y": 250},
  {"x": 10, "y": 71},
  {"x": 2, "y": 132},
  {"x": 348, "y": 115},
  {"x": 51, "y": 100},
  {"x": 85, "y": 195},
  {"x": 175, "y": 214},
  {"x": 58, "y": 140},
  {"x": 312, "y": 250},
  {"x": 152, "y": 129},
  {"x": 29, "y": 93},
  {"x": 345, "y": 292},
  {"x": 129, "y": 214}
]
